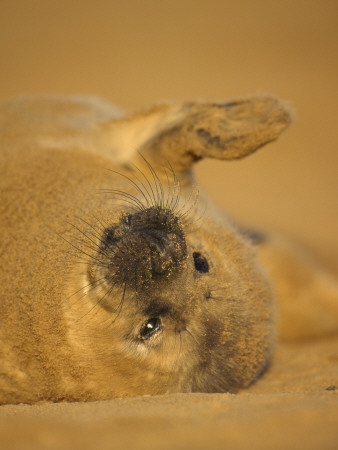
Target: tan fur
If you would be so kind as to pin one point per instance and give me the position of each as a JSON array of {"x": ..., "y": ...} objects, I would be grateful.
[{"x": 61, "y": 339}]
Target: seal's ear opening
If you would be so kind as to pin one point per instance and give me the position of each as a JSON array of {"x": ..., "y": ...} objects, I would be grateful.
[{"x": 183, "y": 134}]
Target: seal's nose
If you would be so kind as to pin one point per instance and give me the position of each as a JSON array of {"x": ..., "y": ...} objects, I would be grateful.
[
  {"x": 146, "y": 246},
  {"x": 160, "y": 230},
  {"x": 166, "y": 250}
]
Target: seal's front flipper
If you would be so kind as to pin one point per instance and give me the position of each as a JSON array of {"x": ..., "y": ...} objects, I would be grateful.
[{"x": 183, "y": 134}]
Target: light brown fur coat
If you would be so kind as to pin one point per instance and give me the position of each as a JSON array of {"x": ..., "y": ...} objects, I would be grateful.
[{"x": 61, "y": 339}]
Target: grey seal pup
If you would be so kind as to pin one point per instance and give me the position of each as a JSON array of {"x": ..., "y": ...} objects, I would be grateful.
[{"x": 113, "y": 283}]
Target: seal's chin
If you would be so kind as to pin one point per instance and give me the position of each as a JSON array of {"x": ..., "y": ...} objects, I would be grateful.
[{"x": 143, "y": 247}]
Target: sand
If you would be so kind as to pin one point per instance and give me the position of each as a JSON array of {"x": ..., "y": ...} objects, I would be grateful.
[{"x": 293, "y": 406}]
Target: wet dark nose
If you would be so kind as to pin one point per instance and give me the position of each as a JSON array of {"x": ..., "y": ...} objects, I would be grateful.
[
  {"x": 146, "y": 246},
  {"x": 165, "y": 249}
]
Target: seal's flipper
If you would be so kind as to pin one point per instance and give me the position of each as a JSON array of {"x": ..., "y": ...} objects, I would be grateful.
[
  {"x": 306, "y": 294},
  {"x": 180, "y": 134},
  {"x": 183, "y": 134}
]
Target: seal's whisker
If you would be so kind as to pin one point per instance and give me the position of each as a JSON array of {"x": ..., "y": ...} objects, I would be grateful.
[
  {"x": 86, "y": 236},
  {"x": 187, "y": 213},
  {"x": 162, "y": 192},
  {"x": 131, "y": 181},
  {"x": 91, "y": 284},
  {"x": 127, "y": 198},
  {"x": 102, "y": 225},
  {"x": 95, "y": 231},
  {"x": 79, "y": 261},
  {"x": 192, "y": 198},
  {"x": 120, "y": 193},
  {"x": 194, "y": 220},
  {"x": 157, "y": 182},
  {"x": 189, "y": 332},
  {"x": 131, "y": 206},
  {"x": 98, "y": 302},
  {"x": 135, "y": 279},
  {"x": 81, "y": 242},
  {"x": 92, "y": 288},
  {"x": 175, "y": 360},
  {"x": 174, "y": 182},
  {"x": 120, "y": 305},
  {"x": 151, "y": 194},
  {"x": 117, "y": 246},
  {"x": 168, "y": 188},
  {"x": 177, "y": 186},
  {"x": 149, "y": 199},
  {"x": 81, "y": 251},
  {"x": 70, "y": 261}
]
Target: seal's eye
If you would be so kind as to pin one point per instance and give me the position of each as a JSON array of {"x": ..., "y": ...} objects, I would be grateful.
[
  {"x": 201, "y": 264},
  {"x": 151, "y": 327}
]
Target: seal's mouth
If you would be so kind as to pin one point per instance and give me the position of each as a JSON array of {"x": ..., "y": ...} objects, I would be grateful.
[{"x": 144, "y": 247}]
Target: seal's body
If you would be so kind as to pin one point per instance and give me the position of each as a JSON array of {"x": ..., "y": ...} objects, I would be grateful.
[{"x": 111, "y": 285}]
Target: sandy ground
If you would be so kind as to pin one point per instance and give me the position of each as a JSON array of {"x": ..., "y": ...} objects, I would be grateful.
[
  {"x": 137, "y": 53},
  {"x": 294, "y": 406}
]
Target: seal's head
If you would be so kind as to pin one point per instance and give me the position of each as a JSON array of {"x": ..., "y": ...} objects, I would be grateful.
[{"x": 173, "y": 304}]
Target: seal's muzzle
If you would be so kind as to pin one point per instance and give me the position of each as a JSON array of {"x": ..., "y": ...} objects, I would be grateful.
[{"x": 144, "y": 247}]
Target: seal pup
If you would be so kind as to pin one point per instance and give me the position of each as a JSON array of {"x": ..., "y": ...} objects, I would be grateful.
[{"x": 102, "y": 298}]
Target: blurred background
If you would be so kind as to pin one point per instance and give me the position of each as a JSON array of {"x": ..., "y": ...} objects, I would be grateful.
[{"x": 138, "y": 52}]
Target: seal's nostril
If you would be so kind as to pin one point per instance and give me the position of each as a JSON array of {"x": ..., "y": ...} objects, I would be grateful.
[
  {"x": 126, "y": 219},
  {"x": 108, "y": 237},
  {"x": 164, "y": 250},
  {"x": 129, "y": 219}
]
